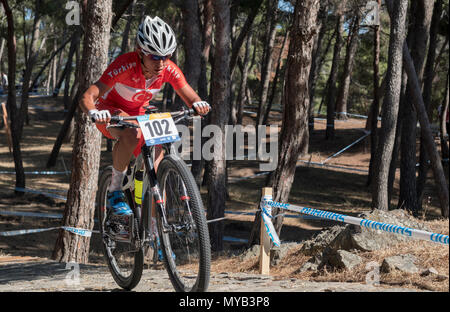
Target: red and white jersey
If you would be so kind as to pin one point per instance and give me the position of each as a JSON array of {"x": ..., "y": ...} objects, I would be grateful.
[{"x": 129, "y": 88}]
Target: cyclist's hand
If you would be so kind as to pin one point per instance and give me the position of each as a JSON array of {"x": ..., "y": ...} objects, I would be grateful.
[
  {"x": 102, "y": 116},
  {"x": 202, "y": 107}
]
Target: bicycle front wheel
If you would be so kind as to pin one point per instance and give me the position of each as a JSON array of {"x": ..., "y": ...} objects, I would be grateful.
[
  {"x": 125, "y": 261},
  {"x": 185, "y": 241}
]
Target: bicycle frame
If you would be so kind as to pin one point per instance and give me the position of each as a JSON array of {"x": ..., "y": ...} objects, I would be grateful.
[
  {"x": 150, "y": 190},
  {"x": 152, "y": 187}
]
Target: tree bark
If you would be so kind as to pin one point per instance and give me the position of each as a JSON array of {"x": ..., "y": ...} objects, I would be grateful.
[
  {"x": 390, "y": 106},
  {"x": 29, "y": 65},
  {"x": 50, "y": 59},
  {"x": 294, "y": 136},
  {"x": 80, "y": 205},
  {"x": 237, "y": 44},
  {"x": 420, "y": 18},
  {"x": 275, "y": 79},
  {"x": 75, "y": 41},
  {"x": 443, "y": 122},
  {"x": 417, "y": 100},
  {"x": 427, "y": 92},
  {"x": 125, "y": 46},
  {"x": 331, "y": 94},
  {"x": 266, "y": 69},
  {"x": 317, "y": 57},
  {"x": 344, "y": 87},
  {"x": 192, "y": 46},
  {"x": 206, "y": 32},
  {"x": 238, "y": 105},
  {"x": 219, "y": 116},
  {"x": 11, "y": 101},
  {"x": 428, "y": 139},
  {"x": 375, "y": 108}
]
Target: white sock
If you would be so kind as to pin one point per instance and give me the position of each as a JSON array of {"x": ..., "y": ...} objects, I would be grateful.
[{"x": 116, "y": 180}]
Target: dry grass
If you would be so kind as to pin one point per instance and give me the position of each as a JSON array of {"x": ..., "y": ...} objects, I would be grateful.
[{"x": 428, "y": 255}]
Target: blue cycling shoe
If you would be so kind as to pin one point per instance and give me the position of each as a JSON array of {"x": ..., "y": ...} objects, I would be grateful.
[
  {"x": 119, "y": 217},
  {"x": 118, "y": 205}
]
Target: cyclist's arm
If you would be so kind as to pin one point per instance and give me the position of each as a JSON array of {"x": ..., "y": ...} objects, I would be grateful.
[
  {"x": 87, "y": 101},
  {"x": 188, "y": 95}
]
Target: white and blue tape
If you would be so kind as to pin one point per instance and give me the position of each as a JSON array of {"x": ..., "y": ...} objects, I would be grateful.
[
  {"x": 77, "y": 231},
  {"x": 266, "y": 217},
  {"x": 386, "y": 227}
]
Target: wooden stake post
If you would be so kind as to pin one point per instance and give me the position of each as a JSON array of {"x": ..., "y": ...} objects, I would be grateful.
[{"x": 265, "y": 243}]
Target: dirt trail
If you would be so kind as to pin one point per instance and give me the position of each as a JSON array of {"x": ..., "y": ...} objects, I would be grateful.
[{"x": 42, "y": 275}]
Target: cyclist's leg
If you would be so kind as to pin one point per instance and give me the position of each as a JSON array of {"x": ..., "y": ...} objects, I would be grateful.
[{"x": 127, "y": 142}]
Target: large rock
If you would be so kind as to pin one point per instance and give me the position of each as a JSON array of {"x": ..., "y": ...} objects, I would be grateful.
[
  {"x": 342, "y": 259},
  {"x": 348, "y": 237},
  {"x": 277, "y": 254},
  {"x": 367, "y": 239},
  {"x": 403, "y": 263}
]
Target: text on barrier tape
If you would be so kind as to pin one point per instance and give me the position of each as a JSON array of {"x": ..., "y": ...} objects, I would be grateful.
[{"x": 386, "y": 227}]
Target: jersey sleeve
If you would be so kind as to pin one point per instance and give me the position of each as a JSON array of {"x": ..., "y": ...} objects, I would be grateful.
[
  {"x": 174, "y": 76},
  {"x": 118, "y": 70}
]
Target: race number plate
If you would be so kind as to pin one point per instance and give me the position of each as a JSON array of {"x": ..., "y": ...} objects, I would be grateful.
[{"x": 158, "y": 129}]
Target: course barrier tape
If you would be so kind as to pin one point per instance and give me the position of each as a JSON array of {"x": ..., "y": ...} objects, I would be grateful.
[
  {"x": 77, "y": 231},
  {"x": 42, "y": 192},
  {"x": 266, "y": 217},
  {"x": 38, "y": 172},
  {"x": 31, "y": 214},
  {"x": 386, "y": 227},
  {"x": 367, "y": 133}
]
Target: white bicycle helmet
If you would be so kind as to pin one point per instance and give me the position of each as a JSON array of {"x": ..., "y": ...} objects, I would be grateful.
[{"x": 156, "y": 37}]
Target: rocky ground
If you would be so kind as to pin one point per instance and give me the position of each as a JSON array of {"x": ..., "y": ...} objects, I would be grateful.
[{"x": 47, "y": 275}]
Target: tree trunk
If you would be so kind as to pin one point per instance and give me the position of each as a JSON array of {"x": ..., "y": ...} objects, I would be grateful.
[
  {"x": 192, "y": 46},
  {"x": 428, "y": 139},
  {"x": 375, "y": 108},
  {"x": 275, "y": 79},
  {"x": 390, "y": 106},
  {"x": 331, "y": 94},
  {"x": 344, "y": 87},
  {"x": 219, "y": 116},
  {"x": 294, "y": 137},
  {"x": 29, "y": 65},
  {"x": 206, "y": 32},
  {"x": 317, "y": 58},
  {"x": 417, "y": 100},
  {"x": 237, "y": 44},
  {"x": 238, "y": 105},
  {"x": 427, "y": 92},
  {"x": 266, "y": 69},
  {"x": 50, "y": 59},
  {"x": 80, "y": 205},
  {"x": 420, "y": 18},
  {"x": 75, "y": 41},
  {"x": 124, "y": 48},
  {"x": 11, "y": 101},
  {"x": 443, "y": 122}
]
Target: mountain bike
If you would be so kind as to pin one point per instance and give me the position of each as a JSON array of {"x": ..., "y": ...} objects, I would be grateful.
[{"x": 180, "y": 218}]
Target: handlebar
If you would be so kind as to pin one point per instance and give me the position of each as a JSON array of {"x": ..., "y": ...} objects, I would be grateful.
[{"x": 121, "y": 121}]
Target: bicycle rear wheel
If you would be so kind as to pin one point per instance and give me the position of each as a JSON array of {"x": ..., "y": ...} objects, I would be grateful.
[
  {"x": 185, "y": 243},
  {"x": 125, "y": 261}
]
